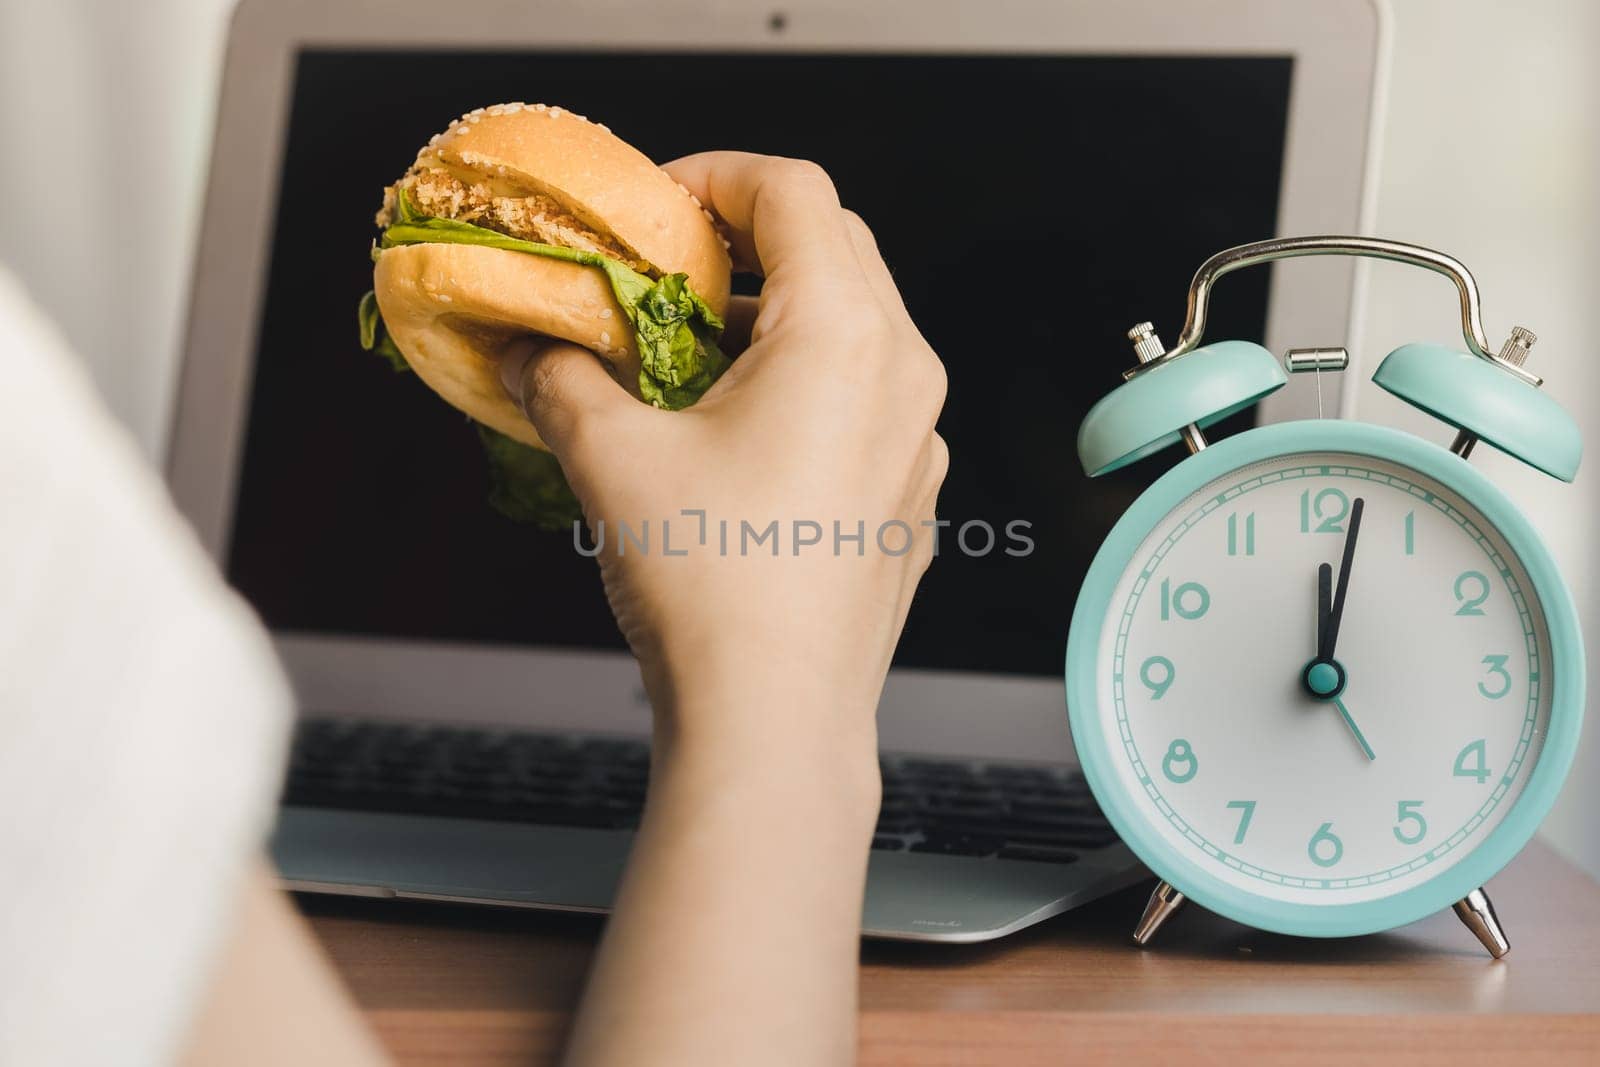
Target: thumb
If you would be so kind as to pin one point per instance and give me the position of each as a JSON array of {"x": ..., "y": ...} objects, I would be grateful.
[{"x": 558, "y": 386}]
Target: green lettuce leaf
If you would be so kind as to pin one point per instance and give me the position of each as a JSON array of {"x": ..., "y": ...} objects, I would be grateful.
[
  {"x": 526, "y": 484},
  {"x": 674, "y": 329},
  {"x": 374, "y": 338}
]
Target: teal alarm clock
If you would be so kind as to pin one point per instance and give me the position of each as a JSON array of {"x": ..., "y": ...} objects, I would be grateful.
[{"x": 1324, "y": 677}]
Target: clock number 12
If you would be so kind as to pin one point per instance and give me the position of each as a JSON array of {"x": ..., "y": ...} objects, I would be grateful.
[{"x": 1329, "y": 507}]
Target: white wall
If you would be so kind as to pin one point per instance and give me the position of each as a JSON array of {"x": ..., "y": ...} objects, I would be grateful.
[
  {"x": 105, "y": 117},
  {"x": 1490, "y": 151}
]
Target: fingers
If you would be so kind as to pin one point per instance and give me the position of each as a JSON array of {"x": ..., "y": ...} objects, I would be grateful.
[
  {"x": 875, "y": 269},
  {"x": 784, "y": 210},
  {"x": 564, "y": 391}
]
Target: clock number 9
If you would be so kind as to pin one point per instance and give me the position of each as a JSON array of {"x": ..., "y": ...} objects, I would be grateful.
[
  {"x": 1329, "y": 507},
  {"x": 1190, "y": 600},
  {"x": 1179, "y": 764},
  {"x": 1157, "y": 674},
  {"x": 1324, "y": 848}
]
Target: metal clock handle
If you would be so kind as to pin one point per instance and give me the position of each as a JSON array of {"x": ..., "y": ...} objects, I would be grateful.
[{"x": 1259, "y": 252}]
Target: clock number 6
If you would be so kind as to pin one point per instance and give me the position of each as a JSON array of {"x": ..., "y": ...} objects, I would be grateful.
[
  {"x": 1324, "y": 848},
  {"x": 1408, "y": 813}
]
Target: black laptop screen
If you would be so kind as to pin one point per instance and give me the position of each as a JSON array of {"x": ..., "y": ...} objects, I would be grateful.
[{"x": 362, "y": 499}]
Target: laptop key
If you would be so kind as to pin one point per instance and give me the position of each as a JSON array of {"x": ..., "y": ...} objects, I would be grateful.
[
  {"x": 958, "y": 807},
  {"x": 1038, "y": 854},
  {"x": 948, "y": 844}
]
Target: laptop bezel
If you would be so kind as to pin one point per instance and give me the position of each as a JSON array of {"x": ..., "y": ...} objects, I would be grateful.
[{"x": 1338, "y": 50}]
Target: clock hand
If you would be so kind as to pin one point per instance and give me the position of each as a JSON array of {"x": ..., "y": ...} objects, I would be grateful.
[
  {"x": 1324, "y": 606},
  {"x": 1324, "y": 677},
  {"x": 1330, "y": 633},
  {"x": 1350, "y": 722}
]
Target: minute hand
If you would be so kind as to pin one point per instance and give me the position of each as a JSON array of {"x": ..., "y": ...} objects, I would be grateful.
[{"x": 1330, "y": 628}]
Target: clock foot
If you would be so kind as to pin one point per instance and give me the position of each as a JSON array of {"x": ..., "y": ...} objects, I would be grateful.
[
  {"x": 1164, "y": 900},
  {"x": 1475, "y": 910}
]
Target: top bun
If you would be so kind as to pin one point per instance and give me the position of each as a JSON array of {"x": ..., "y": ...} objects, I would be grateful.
[
  {"x": 451, "y": 308},
  {"x": 600, "y": 178}
]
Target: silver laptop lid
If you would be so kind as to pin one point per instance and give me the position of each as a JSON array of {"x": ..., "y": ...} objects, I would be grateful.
[{"x": 1071, "y": 163}]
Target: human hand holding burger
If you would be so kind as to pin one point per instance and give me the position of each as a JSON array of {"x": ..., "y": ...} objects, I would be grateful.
[{"x": 764, "y": 670}]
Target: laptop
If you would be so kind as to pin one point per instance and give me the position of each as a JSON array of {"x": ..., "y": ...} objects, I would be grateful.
[{"x": 473, "y": 728}]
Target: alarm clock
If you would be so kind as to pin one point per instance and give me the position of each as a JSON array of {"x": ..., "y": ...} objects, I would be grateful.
[{"x": 1323, "y": 677}]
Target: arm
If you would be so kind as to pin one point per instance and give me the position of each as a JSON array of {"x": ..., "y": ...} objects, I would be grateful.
[
  {"x": 273, "y": 998},
  {"x": 735, "y": 934}
]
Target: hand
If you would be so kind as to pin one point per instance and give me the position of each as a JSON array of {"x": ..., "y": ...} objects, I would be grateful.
[
  {"x": 764, "y": 670},
  {"x": 827, "y": 416}
]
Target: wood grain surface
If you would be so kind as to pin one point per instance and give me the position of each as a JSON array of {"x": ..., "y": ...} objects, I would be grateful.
[{"x": 477, "y": 986}]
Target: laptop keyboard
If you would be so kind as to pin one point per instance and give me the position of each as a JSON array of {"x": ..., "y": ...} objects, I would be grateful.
[{"x": 1034, "y": 812}]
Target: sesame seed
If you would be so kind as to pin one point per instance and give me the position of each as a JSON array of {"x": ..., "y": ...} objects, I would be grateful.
[
  {"x": 555, "y": 112},
  {"x": 540, "y": 107},
  {"x": 605, "y": 338},
  {"x": 605, "y": 313},
  {"x": 446, "y": 298},
  {"x": 602, "y": 127}
]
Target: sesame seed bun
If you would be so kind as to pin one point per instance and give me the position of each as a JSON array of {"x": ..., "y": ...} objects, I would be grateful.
[{"x": 451, "y": 308}]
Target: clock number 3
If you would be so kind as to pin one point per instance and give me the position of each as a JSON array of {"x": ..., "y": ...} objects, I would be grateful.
[
  {"x": 1497, "y": 670},
  {"x": 1179, "y": 764}
]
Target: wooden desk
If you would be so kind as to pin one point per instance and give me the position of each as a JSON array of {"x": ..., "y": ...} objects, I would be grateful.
[{"x": 446, "y": 985}]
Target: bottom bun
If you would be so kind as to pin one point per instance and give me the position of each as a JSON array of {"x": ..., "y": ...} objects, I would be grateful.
[{"x": 453, "y": 308}]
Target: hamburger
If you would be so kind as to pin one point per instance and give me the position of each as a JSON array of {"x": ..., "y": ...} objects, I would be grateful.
[{"x": 524, "y": 220}]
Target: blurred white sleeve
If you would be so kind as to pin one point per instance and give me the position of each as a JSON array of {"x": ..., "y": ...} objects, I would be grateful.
[{"x": 143, "y": 721}]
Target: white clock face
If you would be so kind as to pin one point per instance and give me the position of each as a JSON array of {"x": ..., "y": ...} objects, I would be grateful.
[{"x": 1263, "y": 770}]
